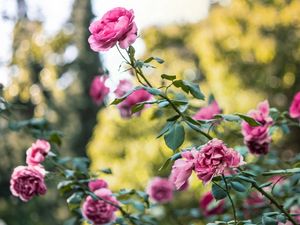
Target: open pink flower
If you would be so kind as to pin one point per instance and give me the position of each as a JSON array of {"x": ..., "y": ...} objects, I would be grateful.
[
  {"x": 27, "y": 181},
  {"x": 37, "y": 152},
  {"x": 117, "y": 25},
  {"x": 208, "y": 112},
  {"x": 209, "y": 206},
  {"x": 295, "y": 106},
  {"x": 97, "y": 184},
  {"x": 214, "y": 158},
  {"x": 182, "y": 169},
  {"x": 257, "y": 138},
  {"x": 98, "y": 89},
  {"x": 123, "y": 87},
  {"x": 98, "y": 211},
  {"x": 160, "y": 190}
]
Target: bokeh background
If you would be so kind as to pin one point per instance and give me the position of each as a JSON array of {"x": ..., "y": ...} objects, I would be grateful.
[{"x": 242, "y": 51}]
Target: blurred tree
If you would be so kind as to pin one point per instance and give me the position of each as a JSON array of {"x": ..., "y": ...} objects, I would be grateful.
[{"x": 51, "y": 77}]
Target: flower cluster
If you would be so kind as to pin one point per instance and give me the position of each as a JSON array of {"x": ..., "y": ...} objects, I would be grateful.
[
  {"x": 212, "y": 160},
  {"x": 257, "y": 138},
  {"x": 98, "y": 89},
  {"x": 28, "y": 181},
  {"x": 102, "y": 210}
]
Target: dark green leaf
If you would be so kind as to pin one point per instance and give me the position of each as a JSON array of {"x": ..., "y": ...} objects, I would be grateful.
[
  {"x": 174, "y": 138},
  {"x": 137, "y": 108},
  {"x": 153, "y": 91},
  {"x": 166, "y": 128},
  {"x": 269, "y": 221},
  {"x": 248, "y": 119},
  {"x": 238, "y": 186},
  {"x": 106, "y": 170},
  {"x": 218, "y": 192},
  {"x": 168, "y": 77},
  {"x": 194, "y": 90}
]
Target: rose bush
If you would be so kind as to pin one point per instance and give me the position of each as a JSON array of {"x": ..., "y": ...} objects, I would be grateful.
[{"x": 224, "y": 170}]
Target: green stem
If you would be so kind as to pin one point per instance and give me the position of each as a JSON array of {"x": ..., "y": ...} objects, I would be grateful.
[
  {"x": 273, "y": 200},
  {"x": 231, "y": 201},
  {"x": 139, "y": 72}
]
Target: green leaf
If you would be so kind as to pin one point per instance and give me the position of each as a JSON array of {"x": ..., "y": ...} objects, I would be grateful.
[
  {"x": 150, "y": 59},
  {"x": 269, "y": 221},
  {"x": 267, "y": 184},
  {"x": 74, "y": 200},
  {"x": 65, "y": 186},
  {"x": 166, "y": 128},
  {"x": 168, "y": 77},
  {"x": 218, "y": 192},
  {"x": 174, "y": 138},
  {"x": 248, "y": 119},
  {"x": 165, "y": 165},
  {"x": 238, "y": 186},
  {"x": 153, "y": 91},
  {"x": 137, "y": 108},
  {"x": 106, "y": 170},
  {"x": 119, "y": 100},
  {"x": 69, "y": 173},
  {"x": 71, "y": 221},
  {"x": 194, "y": 90}
]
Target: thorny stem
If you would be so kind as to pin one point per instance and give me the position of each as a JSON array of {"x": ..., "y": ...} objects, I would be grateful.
[{"x": 231, "y": 201}]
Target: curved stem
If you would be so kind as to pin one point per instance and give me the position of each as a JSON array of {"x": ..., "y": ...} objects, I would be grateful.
[
  {"x": 273, "y": 200},
  {"x": 231, "y": 201}
]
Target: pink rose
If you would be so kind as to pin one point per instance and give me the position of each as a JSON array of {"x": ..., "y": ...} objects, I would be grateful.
[
  {"x": 295, "y": 107},
  {"x": 98, "y": 89},
  {"x": 208, "y": 112},
  {"x": 257, "y": 138},
  {"x": 116, "y": 25},
  {"x": 97, "y": 184},
  {"x": 123, "y": 87},
  {"x": 209, "y": 206},
  {"x": 37, "y": 152},
  {"x": 27, "y": 181},
  {"x": 135, "y": 97},
  {"x": 214, "y": 158},
  {"x": 160, "y": 190},
  {"x": 98, "y": 211},
  {"x": 182, "y": 170}
]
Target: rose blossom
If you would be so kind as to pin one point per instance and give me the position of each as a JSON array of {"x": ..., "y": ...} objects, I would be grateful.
[
  {"x": 135, "y": 97},
  {"x": 208, "y": 112},
  {"x": 123, "y": 87},
  {"x": 214, "y": 158},
  {"x": 295, "y": 107},
  {"x": 209, "y": 206},
  {"x": 98, "y": 89},
  {"x": 98, "y": 211},
  {"x": 116, "y": 25},
  {"x": 37, "y": 152},
  {"x": 257, "y": 138},
  {"x": 27, "y": 181},
  {"x": 97, "y": 184},
  {"x": 182, "y": 170},
  {"x": 160, "y": 190}
]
